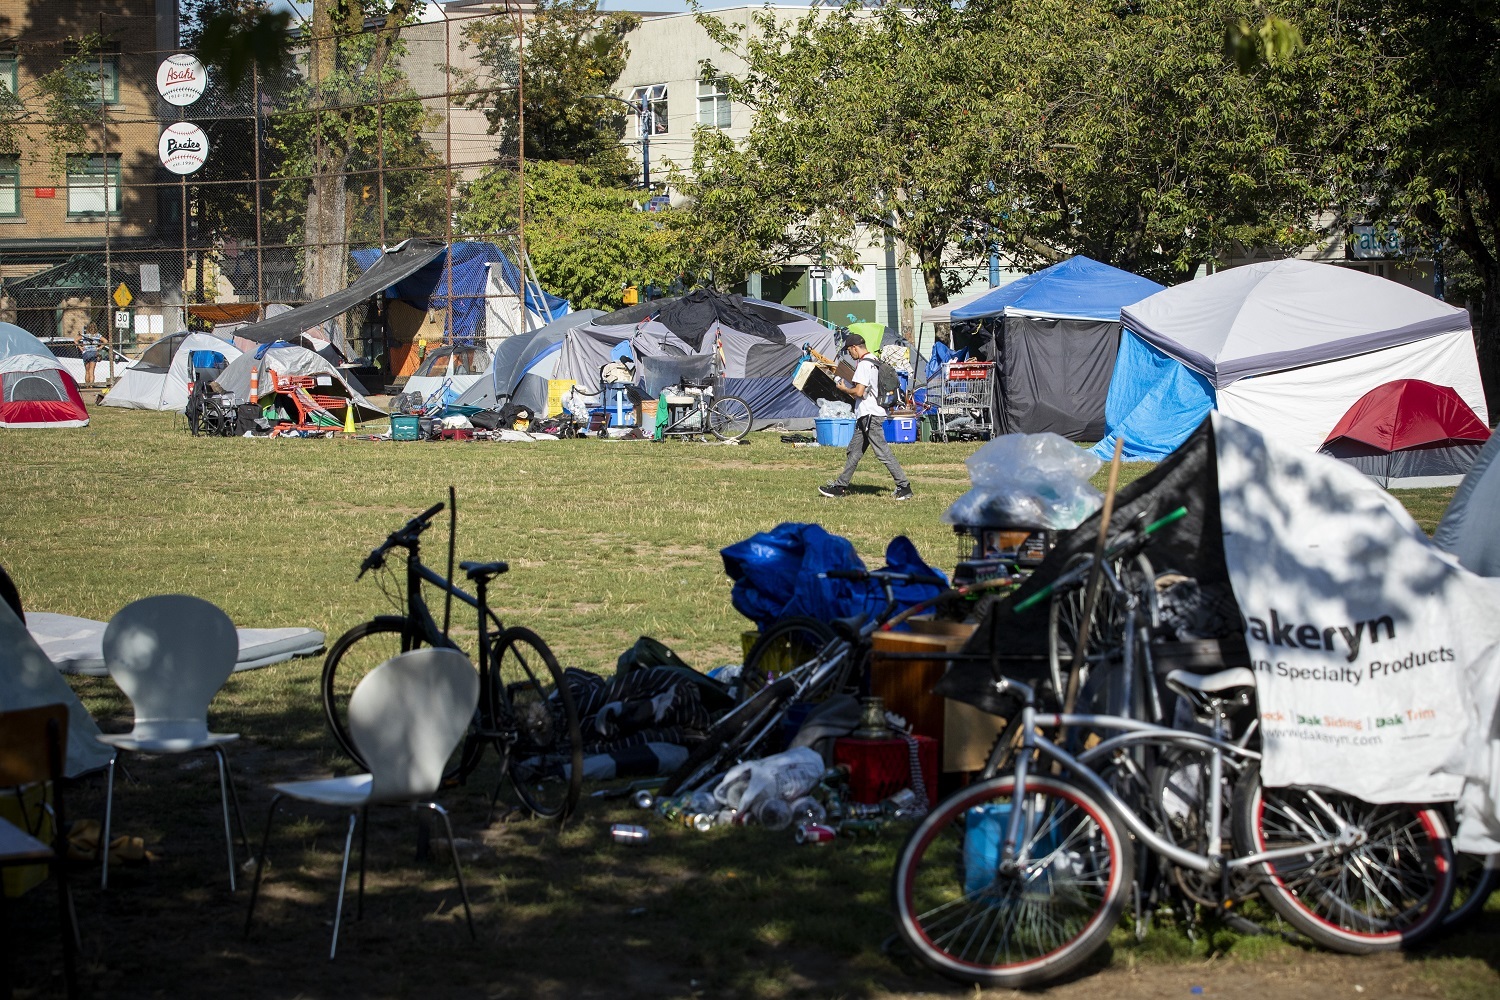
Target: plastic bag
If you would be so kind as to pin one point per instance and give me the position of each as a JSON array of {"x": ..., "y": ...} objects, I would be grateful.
[
  {"x": 1028, "y": 481},
  {"x": 784, "y": 776},
  {"x": 834, "y": 409}
]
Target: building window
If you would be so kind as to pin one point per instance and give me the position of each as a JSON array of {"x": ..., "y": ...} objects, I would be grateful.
[
  {"x": 10, "y": 187},
  {"x": 713, "y": 103},
  {"x": 656, "y": 108},
  {"x": 93, "y": 180},
  {"x": 101, "y": 74},
  {"x": 8, "y": 71}
]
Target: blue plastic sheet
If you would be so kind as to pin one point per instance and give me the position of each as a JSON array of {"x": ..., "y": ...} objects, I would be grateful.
[
  {"x": 775, "y": 575},
  {"x": 1154, "y": 402}
]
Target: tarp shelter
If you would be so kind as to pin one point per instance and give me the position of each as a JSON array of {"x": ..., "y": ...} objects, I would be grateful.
[
  {"x": 28, "y": 679},
  {"x": 1337, "y": 599},
  {"x": 751, "y": 339},
  {"x": 163, "y": 376},
  {"x": 35, "y": 394},
  {"x": 1469, "y": 528},
  {"x": 14, "y": 340},
  {"x": 1407, "y": 434},
  {"x": 523, "y": 365},
  {"x": 1286, "y": 346},
  {"x": 462, "y": 291},
  {"x": 1054, "y": 336},
  {"x": 235, "y": 379}
]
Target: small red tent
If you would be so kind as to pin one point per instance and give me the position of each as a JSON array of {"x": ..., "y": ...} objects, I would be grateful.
[
  {"x": 1409, "y": 433},
  {"x": 35, "y": 392}
]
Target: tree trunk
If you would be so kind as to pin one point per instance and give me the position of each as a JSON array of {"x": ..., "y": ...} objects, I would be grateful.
[{"x": 1487, "y": 339}]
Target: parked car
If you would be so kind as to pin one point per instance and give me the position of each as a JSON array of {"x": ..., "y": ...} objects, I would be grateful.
[{"x": 71, "y": 359}]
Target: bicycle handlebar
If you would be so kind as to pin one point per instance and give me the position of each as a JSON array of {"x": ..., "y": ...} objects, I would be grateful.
[
  {"x": 403, "y": 536},
  {"x": 883, "y": 575}
]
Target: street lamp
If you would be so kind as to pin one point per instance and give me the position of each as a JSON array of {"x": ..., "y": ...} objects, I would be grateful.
[{"x": 643, "y": 117}]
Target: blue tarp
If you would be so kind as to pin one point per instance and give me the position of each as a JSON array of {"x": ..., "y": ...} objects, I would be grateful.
[
  {"x": 1077, "y": 288},
  {"x": 775, "y": 575},
  {"x": 1154, "y": 402},
  {"x": 428, "y": 288}
]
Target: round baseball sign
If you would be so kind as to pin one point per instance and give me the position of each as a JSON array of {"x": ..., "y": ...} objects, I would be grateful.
[
  {"x": 183, "y": 147},
  {"x": 181, "y": 79}
]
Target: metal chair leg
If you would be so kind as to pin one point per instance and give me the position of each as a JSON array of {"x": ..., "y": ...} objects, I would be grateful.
[
  {"x": 338, "y": 913},
  {"x": 224, "y": 783},
  {"x": 260, "y": 862},
  {"x": 364, "y": 839},
  {"x": 457, "y": 868},
  {"x": 109, "y": 808},
  {"x": 234, "y": 800}
]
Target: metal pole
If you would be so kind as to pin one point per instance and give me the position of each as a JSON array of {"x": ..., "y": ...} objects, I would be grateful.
[
  {"x": 448, "y": 173},
  {"x": 647, "y": 125},
  {"x": 521, "y": 142},
  {"x": 260, "y": 272},
  {"x": 109, "y": 325}
]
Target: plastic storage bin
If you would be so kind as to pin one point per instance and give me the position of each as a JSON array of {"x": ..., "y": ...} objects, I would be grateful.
[
  {"x": 901, "y": 430},
  {"x": 835, "y": 432},
  {"x": 405, "y": 427}
]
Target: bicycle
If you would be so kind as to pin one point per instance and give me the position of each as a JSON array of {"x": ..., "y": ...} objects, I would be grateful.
[
  {"x": 525, "y": 712},
  {"x": 1017, "y": 880},
  {"x": 747, "y": 730},
  {"x": 693, "y": 411}
]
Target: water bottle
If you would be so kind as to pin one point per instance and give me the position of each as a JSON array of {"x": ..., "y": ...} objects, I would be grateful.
[
  {"x": 808, "y": 810},
  {"x": 773, "y": 814},
  {"x": 701, "y": 802}
]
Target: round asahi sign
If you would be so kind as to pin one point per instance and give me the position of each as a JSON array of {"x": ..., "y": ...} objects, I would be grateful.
[
  {"x": 181, "y": 79},
  {"x": 183, "y": 147}
]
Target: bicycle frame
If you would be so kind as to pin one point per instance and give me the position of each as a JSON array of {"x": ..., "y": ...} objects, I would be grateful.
[
  {"x": 1015, "y": 853},
  {"x": 426, "y": 625}
]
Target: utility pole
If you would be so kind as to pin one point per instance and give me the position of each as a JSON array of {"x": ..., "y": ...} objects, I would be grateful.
[{"x": 645, "y": 123}]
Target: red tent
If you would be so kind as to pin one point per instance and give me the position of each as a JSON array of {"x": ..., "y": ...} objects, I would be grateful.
[
  {"x": 1409, "y": 433},
  {"x": 35, "y": 392}
]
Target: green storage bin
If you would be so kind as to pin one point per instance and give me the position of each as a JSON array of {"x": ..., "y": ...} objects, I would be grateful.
[{"x": 405, "y": 427}]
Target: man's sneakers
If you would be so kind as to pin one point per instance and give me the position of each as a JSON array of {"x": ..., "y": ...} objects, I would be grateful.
[
  {"x": 903, "y": 493},
  {"x": 833, "y": 490}
]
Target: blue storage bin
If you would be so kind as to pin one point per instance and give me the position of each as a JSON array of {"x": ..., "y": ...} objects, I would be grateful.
[
  {"x": 835, "y": 432},
  {"x": 901, "y": 430}
]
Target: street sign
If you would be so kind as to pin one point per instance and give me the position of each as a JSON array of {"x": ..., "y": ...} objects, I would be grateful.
[
  {"x": 123, "y": 320},
  {"x": 122, "y": 296}
]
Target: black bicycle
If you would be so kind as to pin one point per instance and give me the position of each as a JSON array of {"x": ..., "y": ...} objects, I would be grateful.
[{"x": 525, "y": 710}]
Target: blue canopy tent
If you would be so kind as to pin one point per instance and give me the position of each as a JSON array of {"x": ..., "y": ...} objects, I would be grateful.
[
  {"x": 1054, "y": 336},
  {"x": 428, "y": 288}
]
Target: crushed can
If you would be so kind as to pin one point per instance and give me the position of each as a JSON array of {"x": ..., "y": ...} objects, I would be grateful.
[
  {"x": 815, "y": 833},
  {"x": 626, "y": 833}
]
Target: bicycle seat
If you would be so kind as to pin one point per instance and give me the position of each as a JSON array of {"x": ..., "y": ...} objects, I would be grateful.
[
  {"x": 849, "y": 628},
  {"x": 1187, "y": 683},
  {"x": 483, "y": 571}
]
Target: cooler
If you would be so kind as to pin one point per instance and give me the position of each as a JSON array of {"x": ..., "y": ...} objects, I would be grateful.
[
  {"x": 901, "y": 430},
  {"x": 879, "y": 769}
]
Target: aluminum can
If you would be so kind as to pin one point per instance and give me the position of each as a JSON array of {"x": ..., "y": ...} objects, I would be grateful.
[
  {"x": 815, "y": 833},
  {"x": 644, "y": 799},
  {"x": 625, "y": 833},
  {"x": 702, "y": 822}
]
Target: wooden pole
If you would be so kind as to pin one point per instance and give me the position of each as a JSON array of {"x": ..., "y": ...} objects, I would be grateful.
[{"x": 1096, "y": 575}]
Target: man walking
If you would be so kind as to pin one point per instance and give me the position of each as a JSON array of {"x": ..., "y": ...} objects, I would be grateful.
[{"x": 869, "y": 423}]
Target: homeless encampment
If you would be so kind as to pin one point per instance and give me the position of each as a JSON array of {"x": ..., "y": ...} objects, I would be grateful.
[
  {"x": 289, "y": 361},
  {"x": 1054, "y": 336},
  {"x": 522, "y": 366},
  {"x": 1376, "y": 656},
  {"x": 1286, "y": 346}
]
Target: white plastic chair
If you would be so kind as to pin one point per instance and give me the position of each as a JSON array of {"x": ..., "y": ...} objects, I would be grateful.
[
  {"x": 406, "y": 718},
  {"x": 170, "y": 654}
]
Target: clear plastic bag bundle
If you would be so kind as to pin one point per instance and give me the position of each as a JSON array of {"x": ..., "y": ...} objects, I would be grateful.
[
  {"x": 1028, "y": 481},
  {"x": 834, "y": 409},
  {"x": 785, "y": 776}
]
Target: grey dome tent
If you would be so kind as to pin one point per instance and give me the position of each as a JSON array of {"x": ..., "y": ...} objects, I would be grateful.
[{"x": 523, "y": 364}]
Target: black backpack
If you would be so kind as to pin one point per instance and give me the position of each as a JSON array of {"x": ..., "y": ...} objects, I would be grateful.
[{"x": 887, "y": 383}]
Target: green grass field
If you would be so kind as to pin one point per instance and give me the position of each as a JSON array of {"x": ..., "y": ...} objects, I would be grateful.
[{"x": 607, "y": 541}]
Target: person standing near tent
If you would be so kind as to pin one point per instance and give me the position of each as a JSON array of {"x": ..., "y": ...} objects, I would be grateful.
[
  {"x": 88, "y": 349},
  {"x": 869, "y": 424}
]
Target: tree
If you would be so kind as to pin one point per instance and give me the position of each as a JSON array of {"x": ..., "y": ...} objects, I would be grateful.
[
  {"x": 586, "y": 237},
  {"x": 572, "y": 51},
  {"x": 60, "y": 101}
]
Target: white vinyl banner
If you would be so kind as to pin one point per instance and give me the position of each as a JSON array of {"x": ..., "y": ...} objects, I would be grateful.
[{"x": 1366, "y": 639}]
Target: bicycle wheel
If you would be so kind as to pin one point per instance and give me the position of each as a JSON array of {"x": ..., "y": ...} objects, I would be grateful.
[
  {"x": 1107, "y": 633},
  {"x": 1389, "y": 891},
  {"x": 729, "y": 418},
  {"x": 1475, "y": 879},
  {"x": 784, "y": 645},
  {"x": 359, "y": 651},
  {"x": 970, "y": 919},
  {"x": 722, "y": 746},
  {"x": 532, "y": 711}
]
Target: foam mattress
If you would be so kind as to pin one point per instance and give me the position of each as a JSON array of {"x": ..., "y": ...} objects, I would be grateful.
[{"x": 75, "y": 645}]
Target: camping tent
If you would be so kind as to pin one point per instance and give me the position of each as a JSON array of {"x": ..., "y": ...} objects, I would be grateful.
[
  {"x": 14, "y": 340},
  {"x": 751, "y": 339},
  {"x": 1054, "y": 335},
  {"x": 36, "y": 393},
  {"x": 453, "y": 367},
  {"x": 163, "y": 377},
  {"x": 1286, "y": 346},
  {"x": 28, "y": 679},
  {"x": 1409, "y": 433},
  {"x": 523, "y": 365},
  {"x": 235, "y": 379},
  {"x": 1469, "y": 528}
]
